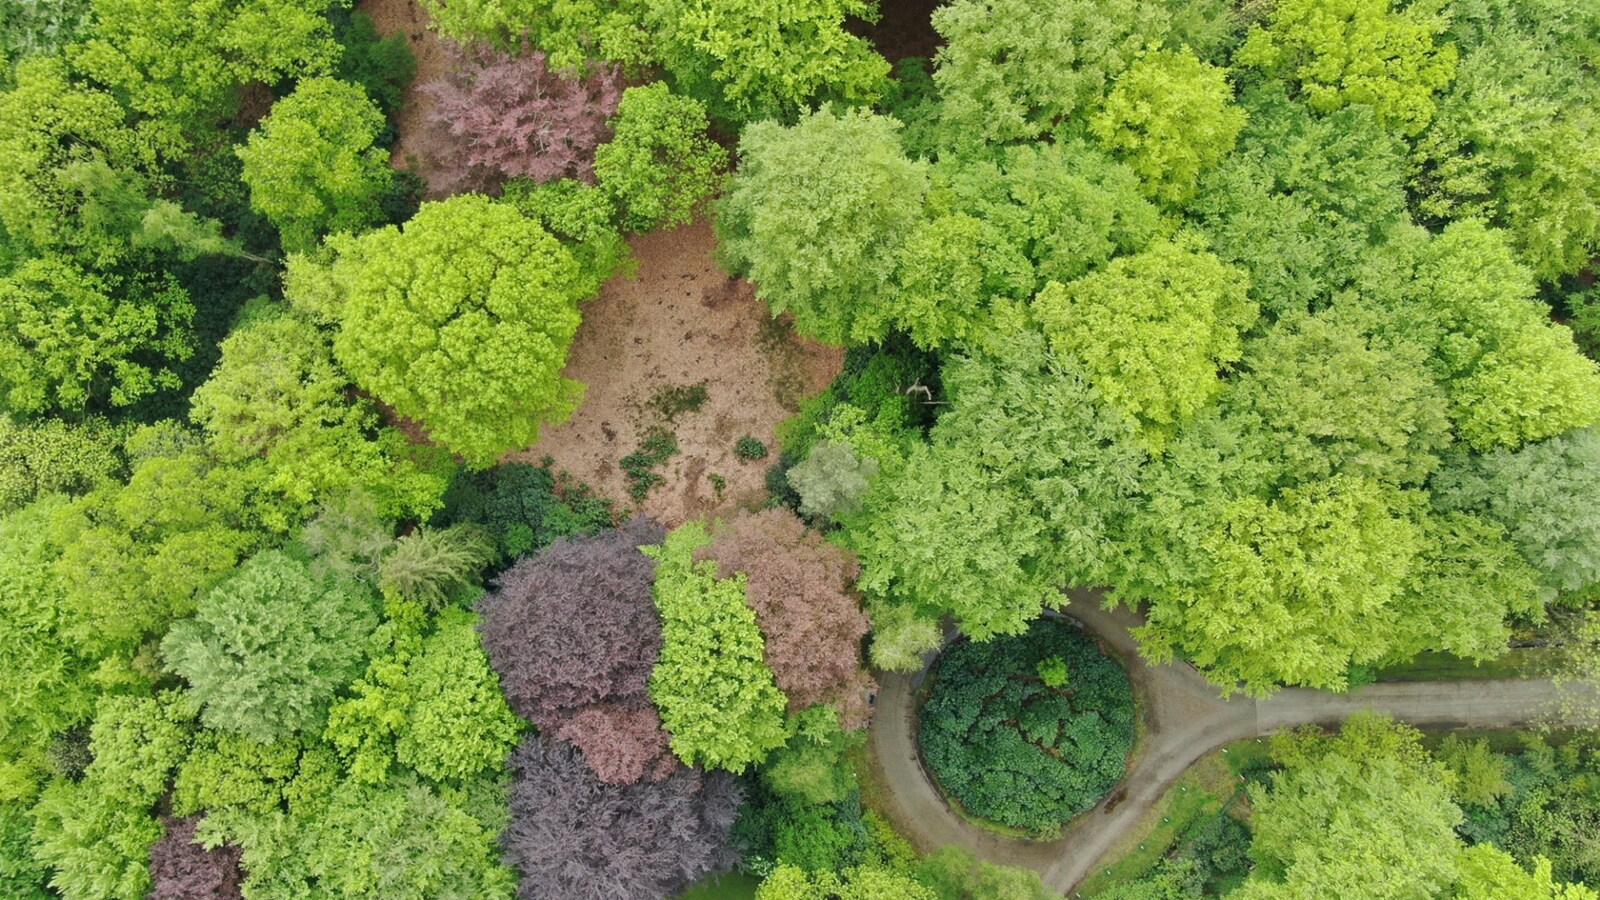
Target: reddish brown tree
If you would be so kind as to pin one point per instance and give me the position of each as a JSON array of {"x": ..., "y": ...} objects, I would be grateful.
[
  {"x": 574, "y": 634},
  {"x": 575, "y": 837},
  {"x": 623, "y": 742},
  {"x": 503, "y": 116},
  {"x": 181, "y": 869},
  {"x": 801, "y": 589}
]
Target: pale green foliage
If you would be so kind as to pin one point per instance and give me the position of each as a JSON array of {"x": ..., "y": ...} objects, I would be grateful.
[
  {"x": 431, "y": 566},
  {"x": 1342, "y": 52},
  {"x": 761, "y": 59},
  {"x": 812, "y": 767},
  {"x": 659, "y": 163},
  {"x": 1014, "y": 69},
  {"x": 815, "y": 216},
  {"x": 48, "y": 125},
  {"x": 96, "y": 833},
  {"x": 136, "y": 556},
  {"x": 312, "y": 166},
  {"x": 1152, "y": 330},
  {"x": 1169, "y": 117},
  {"x": 52, "y": 456},
  {"x": 70, "y": 337},
  {"x": 1512, "y": 376},
  {"x": 1485, "y": 872},
  {"x": 42, "y": 676},
  {"x": 711, "y": 684},
  {"x": 1338, "y": 400},
  {"x": 225, "y": 770},
  {"x": 269, "y": 646},
  {"x": 1317, "y": 572},
  {"x": 179, "y": 62},
  {"x": 789, "y": 882},
  {"x": 429, "y": 702},
  {"x": 1512, "y": 141},
  {"x": 1066, "y": 207},
  {"x": 1545, "y": 495},
  {"x": 461, "y": 322},
  {"x": 951, "y": 271},
  {"x": 401, "y": 841},
  {"x": 1480, "y": 773},
  {"x": 1024, "y": 486},
  {"x": 831, "y": 480},
  {"x": 277, "y": 395},
  {"x": 901, "y": 635},
  {"x": 1363, "y": 814}
]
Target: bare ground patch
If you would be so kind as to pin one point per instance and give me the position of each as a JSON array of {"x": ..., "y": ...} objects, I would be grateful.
[
  {"x": 410, "y": 150},
  {"x": 648, "y": 340}
]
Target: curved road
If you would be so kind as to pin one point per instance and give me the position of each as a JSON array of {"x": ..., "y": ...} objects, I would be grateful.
[{"x": 1184, "y": 718}]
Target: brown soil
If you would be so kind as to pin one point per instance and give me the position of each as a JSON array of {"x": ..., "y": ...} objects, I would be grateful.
[
  {"x": 904, "y": 28},
  {"x": 679, "y": 323},
  {"x": 433, "y": 62}
]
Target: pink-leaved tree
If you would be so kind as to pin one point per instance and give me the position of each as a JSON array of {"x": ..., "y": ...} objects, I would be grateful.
[{"x": 499, "y": 116}]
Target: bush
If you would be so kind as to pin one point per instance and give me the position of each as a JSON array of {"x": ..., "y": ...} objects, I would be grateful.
[
  {"x": 1010, "y": 748},
  {"x": 748, "y": 448},
  {"x": 524, "y": 507}
]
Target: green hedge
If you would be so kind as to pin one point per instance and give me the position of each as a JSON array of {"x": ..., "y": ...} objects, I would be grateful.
[{"x": 1011, "y": 749}]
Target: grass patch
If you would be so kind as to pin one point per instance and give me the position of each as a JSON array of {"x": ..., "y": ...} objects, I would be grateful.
[
  {"x": 1431, "y": 665},
  {"x": 730, "y": 886},
  {"x": 640, "y": 465},
  {"x": 1208, "y": 787},
  {"x": 672, "y": 401}
]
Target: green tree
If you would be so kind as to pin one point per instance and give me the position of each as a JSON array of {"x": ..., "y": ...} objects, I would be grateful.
[
  {"x": 951, "y": 272},
  {"x": 1170, "y": 117},
  {"x": 430, "y": 702},
  {"x": 96, "y": 833},
  {"x": 136, "y": 556},
  {"x": 1544, "y": 496},
  {"x": 270, "y": 646},
  {"x": 955, "y": 873},
  {"x": 278, "y": 396},
  {"x": 750, "y": 60},
  {"x": 1342, "y": 52},
  {"x": 660, "y": 163},
  {"x": 812, "y": 766},
  {"x": 1318, "y": 571},
  {"x": 179, "y": 63},
  {"x": 572, "y": 32},
  {"x": 432, "y": 566},
  {"x": 1485, "y": 872},
  {"x": 462, "y": 321},
  {"x": 1152, "y": 330},
  {"x": 711, "y": 685},
  {"x": 70, "y": 338},
  {"x": 831, "y": 480},
  {"x": 312, "y": 166},
  {"x": 1509, "y": 142},
  {"x": 1013, "y": 70},
  {"x": 49, "y": 456},
  {"x": 1366, "y": 813},
  {"x": 1511, "y": 375},
  {"x": 790, "y": 882},
  {"x": 815, "y": 216}
]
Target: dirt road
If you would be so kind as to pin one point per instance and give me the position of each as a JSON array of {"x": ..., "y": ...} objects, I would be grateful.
[{"x": 1184, "y": 718}]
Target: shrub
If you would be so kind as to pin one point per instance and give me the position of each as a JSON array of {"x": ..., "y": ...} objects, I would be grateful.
[
  {"x": 831, "y": 480},
  {"x": 748, "y": 448},
  {"x": 658, "y": 446},
  {"x": 1010, "y": 748},
  {"x": 524, "y": 507}
]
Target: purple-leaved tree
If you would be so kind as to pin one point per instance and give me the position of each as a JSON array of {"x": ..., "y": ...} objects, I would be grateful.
[
  {"x": 574, "y": 837},
  {"x": 181, "y": 869}
]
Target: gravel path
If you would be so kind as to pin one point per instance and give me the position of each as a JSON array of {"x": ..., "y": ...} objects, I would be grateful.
[{"x": 1184, "y": 718}]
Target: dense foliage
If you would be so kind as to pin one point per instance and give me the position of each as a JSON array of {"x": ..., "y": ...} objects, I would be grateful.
[{"x": 1012, "y": 748}]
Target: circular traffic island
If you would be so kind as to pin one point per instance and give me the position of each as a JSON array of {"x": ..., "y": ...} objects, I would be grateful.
[{"x": 1027, "y": 731}]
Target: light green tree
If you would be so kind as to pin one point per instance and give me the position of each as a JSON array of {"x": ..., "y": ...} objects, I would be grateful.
[
  {"x": 711, "y": 684},
  {"x": 1169, "y": 117},
  {"x": 660, "y": 163},
  {"x": 1366, "y": 813},
  {"x": 815, "y": 217},
  {"x": 1152, "y": 330},
  {"x": 461, "y": 321},
  {"x": 70, "y": 338},
  {"x": 269, "y": 646},
  {"x": 312, "y": 166},
  {"x": 1485, "y": 872},
  {"x": 1342, "y": 52}
]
